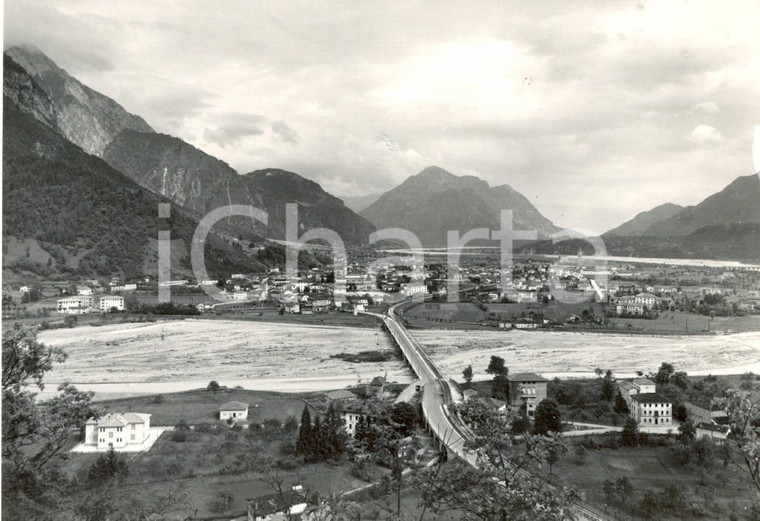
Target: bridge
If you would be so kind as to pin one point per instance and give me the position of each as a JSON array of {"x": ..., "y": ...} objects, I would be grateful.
[{"x": 447, "y": 427}]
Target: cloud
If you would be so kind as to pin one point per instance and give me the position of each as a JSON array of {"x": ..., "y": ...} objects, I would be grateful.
[
  {"x": 617, "y": 91},
  {"x": 285, "y": 133},
  {"x": 234, "y": 128},
  {"x": 705, "y": 134},
  {"x": 705, "y": 107}
]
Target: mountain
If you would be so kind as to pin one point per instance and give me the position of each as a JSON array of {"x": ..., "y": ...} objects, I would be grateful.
[
  {"x": 315, "y": 206},
  {"x": 83, "y": 217},
  {"x": 435, "y": 201},
  {"x": 26, "y": 94},
  {"x": 357, "y": 203},
  {"x": 738, "y": 203},
  {"x": 83, "y": 116},
  {"x": 188, "y": 176},
  {"x": 644, "y": 220}
]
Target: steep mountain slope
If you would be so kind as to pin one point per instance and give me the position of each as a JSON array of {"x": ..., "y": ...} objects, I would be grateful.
[
  {"x": 435, "y": 201},
  {"x": 317, "y": 208},
  {"x": 85, "y": 117},
  {"x": 357, "y": 203},
  {"x": 644, "y": 220},
  {"x": 91, "y": 219},
  {"x": 198, "y": 181},
  {"x": 28, "y": 96},
  {"x": 738, "y": 203}
]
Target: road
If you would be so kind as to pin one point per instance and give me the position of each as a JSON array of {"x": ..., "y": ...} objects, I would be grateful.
[{"x": 437, "y": 397}]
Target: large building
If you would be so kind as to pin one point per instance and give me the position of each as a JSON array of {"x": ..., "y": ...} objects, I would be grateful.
[
  {"x": 75, "y": 305},
  {"x": 526, "y": 389},
  {"x": 117, "y": 430},
  {"x": 629, "y": 388},
  {"x": 111, "y": 302},
  {"x": 651, "y": 409}
]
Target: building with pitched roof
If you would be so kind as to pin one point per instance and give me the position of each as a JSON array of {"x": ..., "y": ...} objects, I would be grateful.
[
  {"x": 117, "y": 430},
  {"x": 288, "y": 505},
  {"x": 526, "y": 389},
  {"x": 651, "y": 409},
  {"x": 235, "y": 411}
]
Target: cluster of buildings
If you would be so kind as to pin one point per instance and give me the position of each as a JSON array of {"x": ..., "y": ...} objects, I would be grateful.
[{"x": 82, "y": 304}]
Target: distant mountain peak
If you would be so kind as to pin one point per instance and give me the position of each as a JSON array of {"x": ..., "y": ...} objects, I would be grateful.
[{"x": 83, "y": 116}]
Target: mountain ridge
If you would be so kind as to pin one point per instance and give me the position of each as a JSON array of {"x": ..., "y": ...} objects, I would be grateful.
[{"x": 434, "y": 201}]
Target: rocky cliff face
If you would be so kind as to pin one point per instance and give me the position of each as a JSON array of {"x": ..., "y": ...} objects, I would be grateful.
[
  {"x": 168, "y": 166},
  {"x": 23, "y": 91},
  {"x": 85, "y": 117}
]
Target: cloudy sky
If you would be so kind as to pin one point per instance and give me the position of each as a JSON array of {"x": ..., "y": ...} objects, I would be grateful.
[{"x": 593, "y": 110}]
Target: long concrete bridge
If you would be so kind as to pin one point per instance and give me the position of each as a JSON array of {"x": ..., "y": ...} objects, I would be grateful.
[{"x": 437, "y": 398}]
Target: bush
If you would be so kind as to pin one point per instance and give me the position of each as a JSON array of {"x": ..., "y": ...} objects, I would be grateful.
[
  {"x": 288, "y": 464},
  {"x": 221, "y": 502},
  {"x": 107, "y": 466},
  {"x": 159, "y": 398},
  {"x": 179, "y": 436}
]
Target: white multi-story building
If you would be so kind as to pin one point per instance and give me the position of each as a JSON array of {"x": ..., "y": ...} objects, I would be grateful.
[
  {"x": 117, "y": 430},
  {"x": 75, "y": 305},
  {"x": 109, "y": 302},
  {"x": 651, "y": 409}
]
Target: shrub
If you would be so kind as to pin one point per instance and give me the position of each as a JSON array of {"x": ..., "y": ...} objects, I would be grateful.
[
  {"x": 221, "y": 502},
  {"x": 159, "y": 398},
  {"x": 107, "y": 466},
  {"x": 179, "y": 436}
]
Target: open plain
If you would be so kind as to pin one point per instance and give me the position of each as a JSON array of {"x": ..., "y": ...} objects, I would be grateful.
[{"x": 180, "y": 355}]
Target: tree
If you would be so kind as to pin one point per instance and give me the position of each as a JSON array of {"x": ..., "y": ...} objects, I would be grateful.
[
  {"x": 608, "y": 387},
  {"x": 703, "y": 450},
  {"x": 580, "y": 454},
  {"x": 547, "y": 418},
  {"x": 664, "y": 374},
  {"x": 496, "y": 366},
  {"x": 609, "y": 489},
  {"x": 680, "y": 412},
  {"x": 500, "y": 388},
  {"x": 34, "y": 436},
  {"x": 213, "y": 386},
  {"x": 468, "y": 374},
  {"x": 649, "y": 504},
  {"x": 624, "y": 488},
  {"x": 107, "y": 466},
  {"x": 629, "y": 437},
  {"x": 555, "y": 451},
  {"x": 493, "y": 490},
  {"x": 680, "y": 379},
  {"x": 686, "y": 433},
  {"x": 404, "y": 418},
  {"x": 621, "y": 407}
]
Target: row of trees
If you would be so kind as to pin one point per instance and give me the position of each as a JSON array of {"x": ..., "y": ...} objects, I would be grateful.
[{"x": 324, "y": 439}]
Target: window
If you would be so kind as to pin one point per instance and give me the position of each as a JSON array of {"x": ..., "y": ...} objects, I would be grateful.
[{"x": 132, "y": 437}]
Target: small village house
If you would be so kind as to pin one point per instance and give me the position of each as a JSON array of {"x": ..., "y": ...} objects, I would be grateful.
[
  {"x": 235, "y": 411},
  {"x": 340, "y": 396},
  {"x": 526, "y": 389},
  {"x": 286, "y": 506},
  {"x": 117, "y": 430}
]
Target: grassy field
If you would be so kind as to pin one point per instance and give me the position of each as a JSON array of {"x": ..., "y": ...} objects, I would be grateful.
[
  {"x": 209, "y": 463},
  {"x": 722, "y": 491},
  {"x": 202, "y": 406}
]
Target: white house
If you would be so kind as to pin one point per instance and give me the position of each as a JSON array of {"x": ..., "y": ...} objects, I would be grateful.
[
  {"x": 84, "y": 290},
  {"x": 236, "y": 411},
  {"x": 75, "y": 305},
  {"x": 651, "y": 409},
  {"x": 351, "y": 417},
  {"x": 117, "y": 430},
  {"x": 109, "y": 302}
]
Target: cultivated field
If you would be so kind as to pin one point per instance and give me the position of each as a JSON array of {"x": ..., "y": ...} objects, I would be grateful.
[{"x": 549, "y": 352}]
